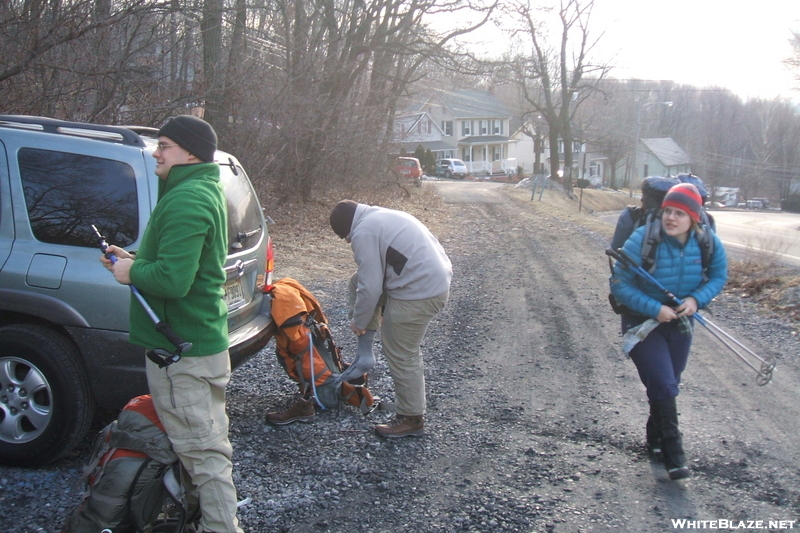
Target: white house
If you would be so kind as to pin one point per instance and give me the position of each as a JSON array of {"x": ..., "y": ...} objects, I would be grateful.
[
  {"x": 586, "y": 165},
  {"x": 523, "y": 148},
  {"x": 470, "y": 125},
  {"x": 413, "y": 129},
  {"x": 729, "y": 196}
]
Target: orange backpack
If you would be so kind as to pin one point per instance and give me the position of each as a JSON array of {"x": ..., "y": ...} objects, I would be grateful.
[{"x": 302, "y": 324}]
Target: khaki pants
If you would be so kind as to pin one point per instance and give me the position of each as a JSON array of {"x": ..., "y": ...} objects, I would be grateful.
[
  {"x": 402, "y": 329},
  {"x": 189, "y": 397}
]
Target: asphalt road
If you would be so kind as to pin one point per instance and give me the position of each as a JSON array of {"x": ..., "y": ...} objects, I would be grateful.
[{"x": 751, "y": 231}]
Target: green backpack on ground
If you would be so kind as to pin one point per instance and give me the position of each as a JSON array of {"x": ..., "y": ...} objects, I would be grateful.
[{"x": 133, "y": 480}]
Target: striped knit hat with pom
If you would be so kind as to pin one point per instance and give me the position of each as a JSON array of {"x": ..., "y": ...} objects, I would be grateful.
[{"x": 686, "y": 197}]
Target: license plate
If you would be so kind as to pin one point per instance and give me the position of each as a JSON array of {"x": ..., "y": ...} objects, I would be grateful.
[{"x": 233, "y": 293}]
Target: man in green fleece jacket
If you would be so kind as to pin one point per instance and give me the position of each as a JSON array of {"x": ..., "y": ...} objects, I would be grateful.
[{"x": 179, "y": 270}]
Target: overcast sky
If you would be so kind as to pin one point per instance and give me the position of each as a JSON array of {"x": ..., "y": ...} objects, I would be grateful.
[{"x": 736, "y": 45}]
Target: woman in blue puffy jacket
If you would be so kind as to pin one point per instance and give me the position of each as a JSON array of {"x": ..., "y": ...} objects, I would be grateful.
[{"x": 661, "y": 356}]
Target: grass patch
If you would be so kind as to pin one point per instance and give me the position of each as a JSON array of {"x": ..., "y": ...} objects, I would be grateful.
[{"x": 773, "y": 287}]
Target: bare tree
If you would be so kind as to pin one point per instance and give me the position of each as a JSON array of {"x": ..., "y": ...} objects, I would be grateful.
[
  {"x": 305, "y": 91},
  {"x": 95, "y": 61},
  {"x": 345, "y": 66},
  {"x": 772, "y": 150},
  {"x": 556, "y": 79}
]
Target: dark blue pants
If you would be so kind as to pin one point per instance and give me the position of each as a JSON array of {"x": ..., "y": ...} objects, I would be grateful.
[{"x": 660, "y": 358}]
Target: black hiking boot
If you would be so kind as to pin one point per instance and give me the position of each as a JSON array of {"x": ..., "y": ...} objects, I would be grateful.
[
  {"x": 653, "y": 432},
  {"x": 671, "y": 440}
]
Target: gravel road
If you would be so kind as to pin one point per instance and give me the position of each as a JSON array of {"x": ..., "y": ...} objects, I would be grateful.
[{"x": 535, "y": 416}]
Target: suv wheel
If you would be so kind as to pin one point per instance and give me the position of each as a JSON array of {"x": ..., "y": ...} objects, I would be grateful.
[
  {"x": 46, "y": 406},
  {"x": 448, "y": 174}
]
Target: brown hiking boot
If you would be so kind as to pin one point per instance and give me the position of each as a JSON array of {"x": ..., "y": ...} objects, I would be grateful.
[
  {"x": 402, "y": 426},
  {"x": 299, "y": 410}
]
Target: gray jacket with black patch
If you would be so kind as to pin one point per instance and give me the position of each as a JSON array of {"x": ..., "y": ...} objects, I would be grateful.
[{"x": 395, "y": 254}]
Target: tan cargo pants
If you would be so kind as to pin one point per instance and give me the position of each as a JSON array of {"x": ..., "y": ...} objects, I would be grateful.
[
  {"x": 403, "y": 327},
  {"x": 189, "y": 397}
]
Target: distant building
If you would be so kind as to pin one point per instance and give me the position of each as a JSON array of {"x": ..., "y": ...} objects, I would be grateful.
[
  {"x": 727, "y": 196},
  {"x": 470, "y": 125},
  {"x": 586, "y": 165},
  {"x": 656, "y": 157}
]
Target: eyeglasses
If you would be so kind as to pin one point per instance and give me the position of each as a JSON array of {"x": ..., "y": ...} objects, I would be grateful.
[
  {"x": 677, "y": 213},
  {"x": 164, "y": 146}
]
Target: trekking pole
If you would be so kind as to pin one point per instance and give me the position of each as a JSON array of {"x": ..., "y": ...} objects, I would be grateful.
[
  {"x": 764, "y": 373},
  {"x": 159, "y": 356}
]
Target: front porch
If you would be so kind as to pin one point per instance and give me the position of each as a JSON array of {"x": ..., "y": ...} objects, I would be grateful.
[
  {"x": 487, "y": 155},
  {"x": 492, "y": 168}
]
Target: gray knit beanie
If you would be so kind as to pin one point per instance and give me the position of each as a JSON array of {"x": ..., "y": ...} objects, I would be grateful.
[
  {"x": 342, "y": 217},
  {"x": 193, "y": 134}
]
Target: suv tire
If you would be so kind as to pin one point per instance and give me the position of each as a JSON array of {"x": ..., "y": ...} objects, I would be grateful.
[
  {"x": 448, "y": 174},
  {"x": 46, "y": 393}
]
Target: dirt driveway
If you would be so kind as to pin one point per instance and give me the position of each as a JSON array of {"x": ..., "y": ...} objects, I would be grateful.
[
  {"x": 549, "y": 402},
  {"x": 535, "y": 418}
]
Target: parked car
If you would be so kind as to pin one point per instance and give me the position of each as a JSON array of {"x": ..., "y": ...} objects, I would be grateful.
[
  {"x": 754, "y": 204},
  {"x": 63, "y": 317},
  {"x": 409, "y": 167},
  {"x": 451, "y": 168}
]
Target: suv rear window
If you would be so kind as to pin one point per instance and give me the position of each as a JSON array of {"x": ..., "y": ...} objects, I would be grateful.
[
  {"x": 244, "y": 210},
  {"x": 67, "y": 193}
]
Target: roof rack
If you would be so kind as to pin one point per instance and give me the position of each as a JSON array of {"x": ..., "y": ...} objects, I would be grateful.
[
  {"x": 142, "y": 130},
  {"x": 117, "y": 134}
]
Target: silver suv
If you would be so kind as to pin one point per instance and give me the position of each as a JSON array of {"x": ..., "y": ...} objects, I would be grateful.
[{"x": 63, "y": 318}]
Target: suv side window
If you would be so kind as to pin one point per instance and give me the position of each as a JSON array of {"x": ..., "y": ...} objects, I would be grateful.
[
  {"x": 244, "y": 209},
  {"x": 66, "y": 193}
]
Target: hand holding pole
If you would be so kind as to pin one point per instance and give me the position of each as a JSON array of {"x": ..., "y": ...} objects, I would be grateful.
[
  {"x": 767, "y": 365},
  {"x": 166, "y": 357}
]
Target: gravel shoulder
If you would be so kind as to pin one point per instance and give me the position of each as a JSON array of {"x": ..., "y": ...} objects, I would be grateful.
[{"x": 535, "y": 416}]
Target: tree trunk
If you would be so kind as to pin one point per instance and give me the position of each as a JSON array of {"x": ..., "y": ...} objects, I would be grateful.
[{"x": 213, "y": 84}]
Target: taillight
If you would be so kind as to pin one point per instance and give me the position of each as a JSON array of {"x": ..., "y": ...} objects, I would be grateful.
[{"x": 270, "y": 266}]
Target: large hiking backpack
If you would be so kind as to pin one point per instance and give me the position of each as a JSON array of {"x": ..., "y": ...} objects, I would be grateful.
[
  {"x": 654, "y": 189},
  {"x": 132, "y": 482},
  {"x": 305, "y": 349}
]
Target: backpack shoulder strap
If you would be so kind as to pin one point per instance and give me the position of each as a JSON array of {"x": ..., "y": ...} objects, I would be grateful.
[
  {"x": 708, "y": 219},
  {"x": 705, "y": 238},
  {"x": 636, "y": 214},
  {"x": 652, "y": 236}
]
